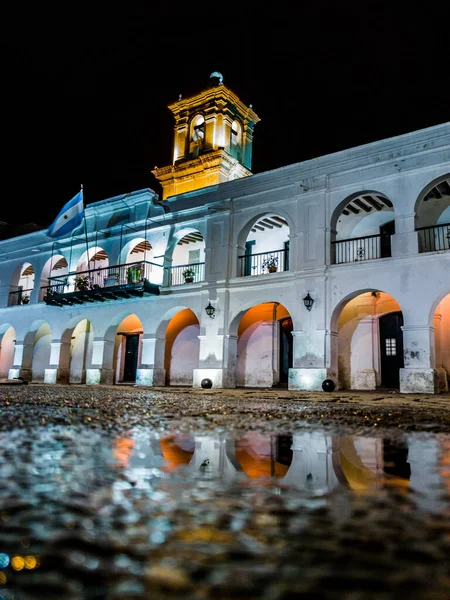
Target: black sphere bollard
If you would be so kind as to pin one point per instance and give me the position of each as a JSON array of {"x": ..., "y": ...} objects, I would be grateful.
[
  {"x": 206, "y": 384},
  {"x": 328, "y": 385}
]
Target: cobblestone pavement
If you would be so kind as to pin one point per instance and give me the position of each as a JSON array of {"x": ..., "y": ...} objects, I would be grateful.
[{"x": 78, "y": 523}]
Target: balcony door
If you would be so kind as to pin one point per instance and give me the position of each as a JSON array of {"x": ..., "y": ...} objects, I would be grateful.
[
  {"x": 391, "y": 349},
  {"x": 285, "y": 349},
  {"x": 386, "y": 230},
  {"x": 131, "y": 358}
]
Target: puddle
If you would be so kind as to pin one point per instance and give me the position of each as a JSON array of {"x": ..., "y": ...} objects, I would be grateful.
[{"x": 86, "y": 513}]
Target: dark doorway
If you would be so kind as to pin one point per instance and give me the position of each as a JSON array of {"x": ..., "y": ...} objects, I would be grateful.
[
  {"x": 248, "y": 257},
  {"x": 391, "y": 349},
  {"x": 395, "y": 459},
  {"x": 285, "y": 349},
  {"x": 386, "y": 230},
  {"x": 131, "y": 358}
]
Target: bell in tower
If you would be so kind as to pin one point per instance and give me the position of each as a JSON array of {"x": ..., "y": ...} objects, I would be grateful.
[{"x": 212, "y": 140}]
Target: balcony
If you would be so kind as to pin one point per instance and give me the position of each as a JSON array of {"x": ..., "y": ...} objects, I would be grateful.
[
  {"x": 191, "y": 273},
  {"x": 107, "y": 283},
  {"x": 255, "y": 264},
  {"x": 435, "y": 238},
  {"x": 19, "y": 296},
  {"x": 369, "y": 247}
]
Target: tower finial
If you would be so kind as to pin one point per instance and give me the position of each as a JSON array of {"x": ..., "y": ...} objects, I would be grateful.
[{"x": 218, "y": 75}]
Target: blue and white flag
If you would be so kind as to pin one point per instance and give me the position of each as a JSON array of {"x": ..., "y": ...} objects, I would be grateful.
[{"x": 69, "y": 217}]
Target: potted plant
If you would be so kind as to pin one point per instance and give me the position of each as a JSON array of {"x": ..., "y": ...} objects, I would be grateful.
[
  {"x": 188, "y": 275},
  {"x": 134, "y": 274},
  {"x": 270, "y": 263},
  {"x": 81, "y": 283}
]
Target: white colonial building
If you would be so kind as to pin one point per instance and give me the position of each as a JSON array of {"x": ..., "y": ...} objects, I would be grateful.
[{"x": 170, "y": 290}]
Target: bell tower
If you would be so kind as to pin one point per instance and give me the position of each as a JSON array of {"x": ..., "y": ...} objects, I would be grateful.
[{"x": 213, "y": 137}]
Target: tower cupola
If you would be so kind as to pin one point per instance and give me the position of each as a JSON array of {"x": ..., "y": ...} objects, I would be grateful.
[{"x": 213, "y": 137}]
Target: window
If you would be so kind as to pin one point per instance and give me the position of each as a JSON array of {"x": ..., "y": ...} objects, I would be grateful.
[
  {"x": 194, "y": 256},
  {"x": 391, "y": 347}
]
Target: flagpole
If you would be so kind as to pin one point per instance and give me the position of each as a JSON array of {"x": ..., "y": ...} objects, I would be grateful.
[{"x": 85, "y": 235}]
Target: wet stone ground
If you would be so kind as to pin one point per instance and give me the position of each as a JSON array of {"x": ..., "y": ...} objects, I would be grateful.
[{"x": 113, "y": 493}]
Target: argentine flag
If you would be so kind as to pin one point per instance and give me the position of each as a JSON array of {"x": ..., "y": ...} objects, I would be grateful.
[{"x": 69, "y": 217}]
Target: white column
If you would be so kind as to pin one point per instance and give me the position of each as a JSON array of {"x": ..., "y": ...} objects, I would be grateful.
[
  {"x": 308, "y": 371},
  {"x": 405, "y": 240},
  {"x": 151, "y": 371},
  {"x": 15, "y": 371},
  {"x": 441, "y": 372},
  {"x": 51, "y": 374},
  {"x": 419, "y": 375},
  {"x": 364, "y": 344},
  {"x": 100, "y": 370}
]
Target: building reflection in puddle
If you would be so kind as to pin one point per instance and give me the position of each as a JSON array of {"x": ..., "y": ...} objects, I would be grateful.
[{"x": 311, "y": 461}]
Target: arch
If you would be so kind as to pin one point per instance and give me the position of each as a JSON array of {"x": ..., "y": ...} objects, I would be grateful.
[
  {"x": 235, "y": 148},
  {"x": 139, "y": 253},
  {"x": 127, "y": 348},
  {"x": 244, "y": 307},
  {"x": 182, "y": 348},
  {"x": 361, "y": 227},
  {"x": 36, "y": 351},
  {"x": 439, "y": 319},
  {"x": 98, "y": 259},
  {"x": 21, "y": 284},
  {"x": 257, "y": 349},
  {"x": 7, "y": 345},
  {"x": 76, "y": 351},
  {"x": 196, "y": 135},
  {"x": 186, "y": 251},
  {"x": 259, "y": 455},
  {"x": 55, "y": 269},
  {"x": 264, "y": 241},
  {"x": 358, "y": 355},
  {"x": 433, "y": 202}
]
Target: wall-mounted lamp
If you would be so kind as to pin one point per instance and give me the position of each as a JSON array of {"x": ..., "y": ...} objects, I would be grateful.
[
  {"x": 308, "y": 301},
  {"x": 210, "y": 311}
]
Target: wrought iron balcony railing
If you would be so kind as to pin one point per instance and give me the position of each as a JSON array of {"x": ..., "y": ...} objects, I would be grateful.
[
  {"x": 106, "y": 283},
  {"x": 192, "y": 273},
  {"x": 435, "y": 238},
  {"x": 263, "y": 262},
  {"x": 19, "y": 296},
  {"x": 368, "y": 247}
]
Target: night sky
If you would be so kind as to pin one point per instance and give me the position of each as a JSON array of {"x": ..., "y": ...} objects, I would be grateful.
[{"x": 85, "y": 93}]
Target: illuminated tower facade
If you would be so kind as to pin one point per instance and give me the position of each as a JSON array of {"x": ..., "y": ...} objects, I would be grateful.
[{"x": 213, "y": 137}]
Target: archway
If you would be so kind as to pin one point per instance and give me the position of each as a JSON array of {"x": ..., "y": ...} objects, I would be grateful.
[
  {"x": 53, "y": 275},
  {"x": 264, "y": 347},
  {"x": 265, "y": 242},
  {"x": 370, "y": 341},
  {"x": 432, "y": 215},
  {"x": 36, "y": 352},
  {"x": 182, "y": 348},
  {"x": 21, "y": 285},
  {"x": 76, "y": 352},
  {"x": 127, "y": 349},
  {"x": 92, "y": 268},
  {"x": 362, "y": 226},
  {"x": 188, "y": 259},
  {"x": 7, "y": 344},
  {"x": 441, "y": 322}
]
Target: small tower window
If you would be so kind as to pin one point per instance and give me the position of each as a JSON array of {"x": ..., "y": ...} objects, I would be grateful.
[
  {"x": 197, "y": 136},
  {"x": 235, "y": 140}
]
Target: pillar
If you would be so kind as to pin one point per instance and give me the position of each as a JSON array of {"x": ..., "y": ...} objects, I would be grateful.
[
  {"x": 16, "y": 369},
  {"x": 101, "y": 367},
  {"x": 405, "y": 240},
  {"x": 151, "y": 371},
  {"x": 308, "y": 371},
  {"x": 442, "y": 383},
  {"x": 419, "y": 375}
]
